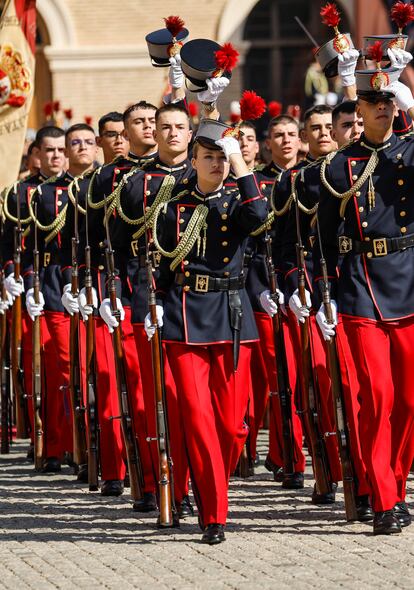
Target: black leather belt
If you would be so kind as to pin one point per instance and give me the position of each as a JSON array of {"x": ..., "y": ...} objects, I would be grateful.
[
  {"x": 206, "y": 283},
  {"x": 376, "y": 247}
]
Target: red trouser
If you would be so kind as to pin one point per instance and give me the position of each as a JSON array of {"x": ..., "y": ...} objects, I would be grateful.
[
  {"x": 384, "y": 359},
  {"x": 56, "y": 405},
  {"x": 138, "y": 410},
  {"x": 177, "y": 447},
  {"x": 265, "y": 327},
  {"x": 212, "y": 400}
]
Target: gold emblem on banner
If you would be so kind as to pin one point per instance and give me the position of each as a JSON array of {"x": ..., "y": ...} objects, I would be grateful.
[{"x": 15, "y": 77}]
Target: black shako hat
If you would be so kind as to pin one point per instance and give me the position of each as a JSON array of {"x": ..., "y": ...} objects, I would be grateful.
[
  {"x": 160, "y": 43},
  {"x": 198, "y": 62}
]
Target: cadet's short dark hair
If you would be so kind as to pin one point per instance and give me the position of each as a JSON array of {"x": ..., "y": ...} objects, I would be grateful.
[
  {"x": 281, "y": 120},
  {"x": 48, "y": 131},
  {"x": 142, "y": 104},
  {"x": 249, "y": 125},
  {"x": 31, "y": 148},
  {"x": 113, "y": 116},
  {"x": 78, "y": 127},
  {"x": 319, "y": 109},
  {"x": 171, "y": 107},
  {"x": 348, "y": 107}
]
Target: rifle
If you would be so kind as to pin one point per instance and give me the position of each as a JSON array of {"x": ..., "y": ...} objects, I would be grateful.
[
  {"x": 36, "y": 361},
  {"x": 168, "y": 512},
  {"x": 342, "y": 429},
  {"x": 22, "y": 419},
  {"x": 6, "y": 406},
  {"x": 284, "y": 390},
  {"x": 125, "y": 403},
  {"x": 310, "y": 392},
  {"x": 91, "y": 404},
  {"x": 78, "y": 407}
]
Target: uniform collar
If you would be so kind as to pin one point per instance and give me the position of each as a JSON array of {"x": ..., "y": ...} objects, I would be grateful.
[
  {"x": 182, "y": 166},
  {"x": 135, "y": 158},
  {"x": 196, "y": 192},
  {"x": 275, "y": 168},
  {"x": 391, "y": 141}
]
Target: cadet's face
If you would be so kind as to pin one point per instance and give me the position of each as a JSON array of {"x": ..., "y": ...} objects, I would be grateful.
[
  {"x": 377, "y": 116},
  {"x": 139, "y": 128},
  {"x": 112, "y": 140},
  {"x": 51, "y": 155},
  {"x": 211, "y": 166},
  {"x": 318, "y": 134},
  {"x": 173, "y": 132},
  {"x": 283, "y": 142},
  {"x": 81, "y": 148},
  {"x": 249, "y": 145},
  {"x": 348, "y": 127}
]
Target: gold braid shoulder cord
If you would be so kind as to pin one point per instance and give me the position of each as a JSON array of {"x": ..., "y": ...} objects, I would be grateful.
[
  {"x": 271, "y": 217},
  {"x": 57, "y": 224},
  {"x": 5, "y": 212},
  {"x": 191, "y": 235},
  {"x": 71, "y": 196}
]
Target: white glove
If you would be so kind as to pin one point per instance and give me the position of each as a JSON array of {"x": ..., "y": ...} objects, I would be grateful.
[
  {"x": 403, "y": 97},
  {"x": 301, "y": 311},
  {"x": 85, "y": 309},
  {"x": 175, "y": 75},
  {"x": 215, "y": 87},
  {"x": 230, "y": 145},
  {"x": 149, "y": 326},
  {"x": 327, "y": 330},
  {"x": 268, "y": 304},
  {"x": 105, "y": 311},
  {"x": 399, "y": 58},
  {"x": 347, "y": 62},
  {"x": 15, "y": 288},
  {"x": 34, "y": 309},
  {"x": 69, "y": 302},
  {"x": 6, "y": 303}
]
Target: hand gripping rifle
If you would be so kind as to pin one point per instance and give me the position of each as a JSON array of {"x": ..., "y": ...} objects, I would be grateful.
[
  {"x": 283, "y": 385},
  {"x": 91, "y": 403},
  {"x": 6, "y": 407},
  {"x": 75, "y": 380},
  {"x": 36, "y": 361},
  {"x": 168, "y": 512},
  {"x": 125, "y": 402},
  {"x": 309, "y": 389},
  {"x": 342, "y": 429},
  {"x": 22, "y": 419}
]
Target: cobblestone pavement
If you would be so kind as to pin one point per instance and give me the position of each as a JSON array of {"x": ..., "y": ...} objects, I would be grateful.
[{"x": 55, "y": 534}]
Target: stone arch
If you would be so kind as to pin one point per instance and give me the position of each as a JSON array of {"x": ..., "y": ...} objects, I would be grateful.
[{"x": 58, "y": 21}]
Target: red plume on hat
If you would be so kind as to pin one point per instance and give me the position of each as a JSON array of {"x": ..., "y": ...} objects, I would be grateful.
[
  {"x": 330, "y": 15},
  {"x": 88, "y": 119},
  {"x": 193, "y": 109},
  {"x": 374, "y": 52},
  {"x": 174, "y": 24},
  {"x": 48, "y": 109},
  {"x": 56, "y": 106},
  {"x": 252, "y": 106},
  {"x": 68, "y": 113},
  {"x": 226, "y": 58},
  {"x": 402, "y": 14},
  {"x": 274, "y": 108}
]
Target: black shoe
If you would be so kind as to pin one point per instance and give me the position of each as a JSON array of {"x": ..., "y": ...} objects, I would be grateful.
[
  {"x": 213, "y": 534},
  {"x": 112, "y": 487},
  {"x": 386, "y": 523},
  {"x": 328, "y": 498},
  {"x": 293, "y": 481},
  {"x": 275, "y": 469},
  {"x": 148, "y": 503},
  {"x": 127, "y": 482},
  {"x": 30, "y": 453},
  {"x": 364, "y": 510},
  {"x": 402, "y": 513},
  {"x": 257, "y": 460},
  {"x": 185, "y": 508},
  {"x": 68, "y": 459},
  {"x": 51, "y": 465},
  {"x": 82, "y": 473}
]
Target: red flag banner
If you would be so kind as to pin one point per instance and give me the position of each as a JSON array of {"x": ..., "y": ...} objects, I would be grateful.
[{"x": 17, "y": 64}]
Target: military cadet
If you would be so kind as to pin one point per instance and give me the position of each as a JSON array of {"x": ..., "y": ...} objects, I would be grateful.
[
  {"x": 49, "y": 148},
  {"x": 208, "y": 324},
  {"x": 50, "y": 198},
  {"x": 347, "y": 125},
  {"x": 366, "y": 185},
  {"x": 111, "y": 138}
]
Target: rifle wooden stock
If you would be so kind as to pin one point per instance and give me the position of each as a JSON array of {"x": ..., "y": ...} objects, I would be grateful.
[
  {"x": 136, "y": 477},
  {"x": 339, "y": 407},
  {"x": 6, "y": 424},
  {"x": 37, "y": 368},
  {"x": 91, "y": 405},
  {"x": 311, "y": 407},
  {"x": 284, "y": 390}
]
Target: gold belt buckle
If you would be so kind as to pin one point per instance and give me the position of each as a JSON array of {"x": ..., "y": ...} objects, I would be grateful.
[
  {"x": 156, "y": 259},
  {"x": 380, "y": 247},
  {"x": 46, "y": 258},
  {"x": 134, "y": 247},
  {"x": 345, "y": 244},
  {"x": 201, "y": 284}
]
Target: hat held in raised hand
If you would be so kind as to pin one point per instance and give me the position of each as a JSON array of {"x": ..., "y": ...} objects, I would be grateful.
[
  {"x": 327, "y": 54},
  {"x": 202, "y": 59},
  {"x": 167, "y": 42}
]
